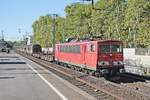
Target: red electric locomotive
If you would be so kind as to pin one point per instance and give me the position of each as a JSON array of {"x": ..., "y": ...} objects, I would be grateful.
[{"x": 104, "y": 57}]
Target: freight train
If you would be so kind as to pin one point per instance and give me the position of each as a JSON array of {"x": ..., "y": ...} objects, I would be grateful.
[{"x": 99, "y": 57}]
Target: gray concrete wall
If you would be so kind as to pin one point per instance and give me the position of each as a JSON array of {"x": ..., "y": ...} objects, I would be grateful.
[{"x": 131, "y": 59}]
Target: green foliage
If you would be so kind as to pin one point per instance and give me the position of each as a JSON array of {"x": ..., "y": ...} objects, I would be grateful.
[
  {"x": 137, "y": 22},
  {"x": 127, "y": 20},
  {"x": 42, "y": 31}
]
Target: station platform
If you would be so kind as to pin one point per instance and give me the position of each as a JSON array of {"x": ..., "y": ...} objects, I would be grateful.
[{"x": 22, "y": 79}]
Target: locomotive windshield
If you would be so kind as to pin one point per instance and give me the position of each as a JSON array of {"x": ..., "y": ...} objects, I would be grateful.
[{"x": 113, "y": 48}]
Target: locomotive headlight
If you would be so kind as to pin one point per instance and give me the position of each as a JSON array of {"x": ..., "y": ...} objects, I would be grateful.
[
  {"x": 118, "y": 63},
  {"x": 103, "y": 63}
]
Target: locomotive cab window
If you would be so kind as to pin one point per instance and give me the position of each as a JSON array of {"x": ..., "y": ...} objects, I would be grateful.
[
  {"x": 113, "y": 48},
  {"x": 116, "y": 48}
]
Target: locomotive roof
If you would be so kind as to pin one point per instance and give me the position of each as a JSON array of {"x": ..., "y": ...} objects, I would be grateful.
[{"x": 82, "y": 42}]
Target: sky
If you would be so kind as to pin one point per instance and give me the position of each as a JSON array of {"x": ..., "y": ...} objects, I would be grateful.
[{"x": 20, "y": 14}]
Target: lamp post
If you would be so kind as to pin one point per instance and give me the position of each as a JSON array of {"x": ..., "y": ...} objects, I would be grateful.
[
  {"x": 27, "y": 38},
  {"x": 19, "y": 31},
  {"x": 2, "y": 35}
]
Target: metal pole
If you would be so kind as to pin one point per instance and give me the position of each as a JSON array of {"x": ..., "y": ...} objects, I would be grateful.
[
  {"x": 129, "y": 37},
  {"x": 54, "y": 31},
  {"x": 2, "y": 35},
  {"x": 93, "y": 4},
  {"x": 19, "y": 31}
]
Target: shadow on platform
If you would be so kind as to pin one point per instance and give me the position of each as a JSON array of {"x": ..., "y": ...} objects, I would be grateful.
[
  {"x": 12, "y": 62},
  {"x": 7, "y": 77}
]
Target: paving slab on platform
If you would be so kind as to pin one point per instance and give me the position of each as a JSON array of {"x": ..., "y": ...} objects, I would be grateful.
[{"x": 10, "y": 59}]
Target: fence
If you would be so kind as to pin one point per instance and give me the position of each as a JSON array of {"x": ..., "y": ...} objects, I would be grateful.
[
  {"x": 137, "y": 56},
  {"x": 142, "y": 51}
]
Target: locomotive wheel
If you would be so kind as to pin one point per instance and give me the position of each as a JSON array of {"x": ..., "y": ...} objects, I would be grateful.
[
  {"x": 56, "y": 62},
  {"x": 80, "y": 69},
  {"x": 61, "y": 64},
  {"x": 72, "y": 67},
  {"x": 92, "y": 73},
  {"x": 65, "y": 65},
  {"x": 86, "y": 71},
  {"x": 98, "y": 74}
]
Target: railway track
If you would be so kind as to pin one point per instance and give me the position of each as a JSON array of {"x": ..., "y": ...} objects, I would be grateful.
[
  {"x": 138, "y": 83},
  {"x": 126, "y": 78},
  {"x": 97, "y": 87}
]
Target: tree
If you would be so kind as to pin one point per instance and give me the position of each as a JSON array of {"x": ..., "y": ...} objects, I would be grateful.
[
  {"x": 127, "y": 20},
  {"x": 137, "y": 21}
]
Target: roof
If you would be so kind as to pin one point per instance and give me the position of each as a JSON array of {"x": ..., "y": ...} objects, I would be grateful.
[{"x": 82, "y": 42}]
